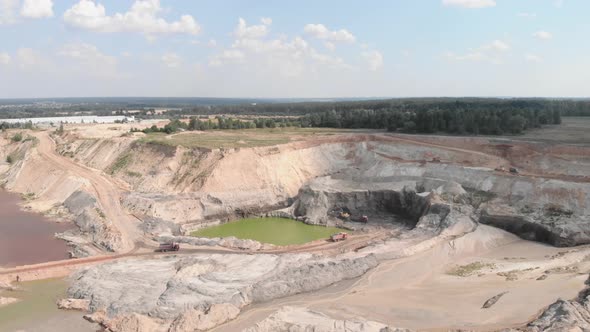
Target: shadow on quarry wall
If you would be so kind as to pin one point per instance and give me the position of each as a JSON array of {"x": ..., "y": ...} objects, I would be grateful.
[
  {"x": 319, "y": 207},
  {"x": 526, "y": 229}
]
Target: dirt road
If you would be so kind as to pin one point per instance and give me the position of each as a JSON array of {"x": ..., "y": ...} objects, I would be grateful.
[{"x": 108, "y": 193}]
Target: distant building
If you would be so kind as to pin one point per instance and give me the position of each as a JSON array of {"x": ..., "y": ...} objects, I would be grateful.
[{"x": 73, "y": 119}]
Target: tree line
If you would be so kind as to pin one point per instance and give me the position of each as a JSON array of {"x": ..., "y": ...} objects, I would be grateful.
[
  {"x": 475, "y": 121},
  {"x": 567, "y": 107},
  {"x": 19, "y": 125},
  {"x": 220, "y": 123},
  {"x": 482, "y": 120}
]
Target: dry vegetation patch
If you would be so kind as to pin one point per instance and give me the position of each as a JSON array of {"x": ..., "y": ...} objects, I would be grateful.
[
  {"x": 243, "y": 138},
  {"x": 470, "y": 269}
]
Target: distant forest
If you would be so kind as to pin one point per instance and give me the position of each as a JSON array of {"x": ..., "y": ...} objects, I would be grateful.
[
  {"x": 425, "y": 115},
  {"x": 475, "y": 117},
  {"x": 567, "y": 107},
  {"x": 489, "y": 116}
]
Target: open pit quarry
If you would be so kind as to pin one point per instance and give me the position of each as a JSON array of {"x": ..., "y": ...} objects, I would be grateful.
[{"x": 455, "y": 240}]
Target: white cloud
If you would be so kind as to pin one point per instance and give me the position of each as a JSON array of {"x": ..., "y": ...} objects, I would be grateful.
[
  {"x": 171, "y": 60},
  {"x": 374, "y": 59},
  {"x": 8, "y": 11},
  {"x": 37, "y": 8},
  {"x": 470, "y": 3},
  {"x": 527, "y": 15},
  {"x": 86, "y": 53},
  {"x": 544, "y": 35},
  {"x": 533, "y": 58},
  {"x": 4, "y": 58},
  {"x": 253, "y": 31},
  {"x": 230, "y": 55},
  {"x": 87, "y": 60},
  {"x": 496, "y": 45},
  {"x": 126, "y": 54},
  {"x": 330, "y": 46},
  {"x": 142, "y": 17},
  {"x": 28, "y": 58},
  {"x": 266, "y": 20},
  {"x": 212, "y": 43},
  {"x": 491, "y": 52},
  {"x": 473, "y": 56},
  {"x": 320, "y": 31},
  {"x": 288, "y": 58}
]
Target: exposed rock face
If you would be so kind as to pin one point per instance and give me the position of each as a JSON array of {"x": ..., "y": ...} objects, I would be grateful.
[
  {"x": 551, "y": 225},
  {"x": 562, "y": 316},
  {"x": 194, "y": 184},
  {"x": 310, "y": 276},
  {"x": 227, "y": 242},
  {"x": 293, "y": 319},
  {"x": 317, "y": 200},
  {"x": 131, "y": 322},
  {"x": 91, "y": 222},
  {"x": 176, "y": 285},
  {"x": 197, "y": 320},
  {"x": 73, "y": 304},
  {"x": 151, "y": 225},
  {"x": 546, "y": 210}
]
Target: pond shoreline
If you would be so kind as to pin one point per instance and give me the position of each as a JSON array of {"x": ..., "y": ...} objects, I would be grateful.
[
  {"x": 275, "y": 231},
  {"x": 36, "y": 309},
  {"x": 28, "y": 237}
]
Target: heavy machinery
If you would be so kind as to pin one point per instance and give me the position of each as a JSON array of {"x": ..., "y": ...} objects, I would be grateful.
[
  {"x": 164, "y": 247},
  {"x": 344, "y": 215},
  {"x": 339, "y": 237}
]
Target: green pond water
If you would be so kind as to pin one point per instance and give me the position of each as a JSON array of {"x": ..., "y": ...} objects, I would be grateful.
[
  {"x": 277, "y": 231},
  {"x": 37, "y": 310}
]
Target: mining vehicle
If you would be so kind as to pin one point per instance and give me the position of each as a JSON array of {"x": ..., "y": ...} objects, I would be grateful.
[
  {"x": 164, "y": 247},
  {"x": 344, "y": 215},
  {"x": 339, "y": 237}
]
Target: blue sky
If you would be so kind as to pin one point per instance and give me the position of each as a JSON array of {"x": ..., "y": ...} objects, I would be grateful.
[{"x": 264, "y": 48}]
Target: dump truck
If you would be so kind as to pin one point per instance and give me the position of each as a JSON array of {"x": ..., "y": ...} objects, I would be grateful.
[
  {"x": 172, "y": 246},
  {"x": 339, "y": 237}
]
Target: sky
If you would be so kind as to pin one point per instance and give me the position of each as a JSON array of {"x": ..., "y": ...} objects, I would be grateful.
[{"x": 294, "y": 49}]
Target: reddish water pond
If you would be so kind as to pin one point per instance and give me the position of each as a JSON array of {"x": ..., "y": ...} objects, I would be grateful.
[{"x": 26, "y": 237}]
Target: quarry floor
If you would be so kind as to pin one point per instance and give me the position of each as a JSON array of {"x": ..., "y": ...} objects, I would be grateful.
[
  {"x": 420, "y": 293},
  {"x": 416, "y": 292}
]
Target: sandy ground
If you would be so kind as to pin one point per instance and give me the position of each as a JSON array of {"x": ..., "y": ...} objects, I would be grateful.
[
  {"x": 109, "y": 130},
  {"x": 418, "y": 293},
  {"x": 415, "y": 292},
  {"x": 107, "y": 191}
]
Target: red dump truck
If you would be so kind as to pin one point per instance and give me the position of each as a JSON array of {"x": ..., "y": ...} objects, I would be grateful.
[
  {"x": 164, "y": 247},
  {"x": 339, "y": 237}
]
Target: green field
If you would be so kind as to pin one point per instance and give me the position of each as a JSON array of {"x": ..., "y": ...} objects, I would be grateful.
[
  {"x": 277, "y": 231},
  {"x": 242, "y": 138}
]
